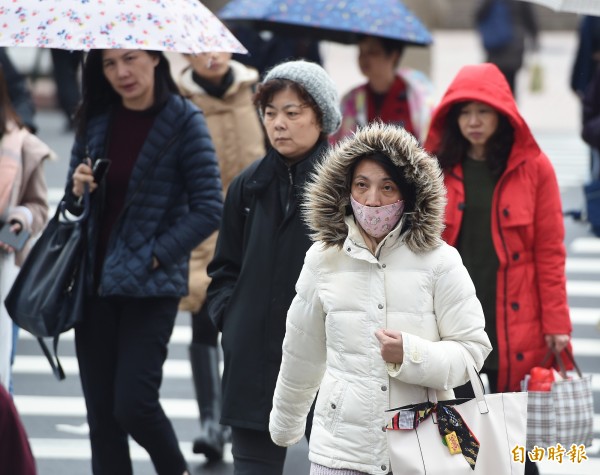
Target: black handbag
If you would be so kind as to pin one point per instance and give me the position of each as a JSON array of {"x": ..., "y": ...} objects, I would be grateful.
[{"x": 47, "y": 296}]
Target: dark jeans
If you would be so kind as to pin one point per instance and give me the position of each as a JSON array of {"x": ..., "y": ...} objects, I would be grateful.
[
  {"x": 466, "y": 391},
  {"x": 254, "y": 453},
  {"x": 121, "y": 348}
]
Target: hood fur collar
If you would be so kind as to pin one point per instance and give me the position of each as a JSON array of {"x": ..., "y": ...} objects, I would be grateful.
[{"x": 327, "y": 195}]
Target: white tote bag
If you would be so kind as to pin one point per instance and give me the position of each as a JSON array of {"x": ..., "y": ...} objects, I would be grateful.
[{"x": 497, "y": 422}]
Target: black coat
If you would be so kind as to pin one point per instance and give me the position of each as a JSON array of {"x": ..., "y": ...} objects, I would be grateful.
[{"x": 259, "y": 254}]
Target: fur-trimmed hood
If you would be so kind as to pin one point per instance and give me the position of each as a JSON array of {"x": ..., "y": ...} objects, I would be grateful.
[{"x": 327, "y": 195}]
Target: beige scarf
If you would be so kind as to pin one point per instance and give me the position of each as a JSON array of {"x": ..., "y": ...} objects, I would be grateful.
[{"x": 10, "y": 165}]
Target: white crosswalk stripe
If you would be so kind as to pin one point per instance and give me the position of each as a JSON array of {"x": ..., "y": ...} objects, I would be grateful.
[
  {"x": 569, "y": 155},
  {"x": 79, "y": 449}
]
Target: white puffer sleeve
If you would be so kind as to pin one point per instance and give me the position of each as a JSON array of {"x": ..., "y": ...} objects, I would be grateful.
[
  {"x": 441, "y": 364},
  {"x": 304, "y": 356}
]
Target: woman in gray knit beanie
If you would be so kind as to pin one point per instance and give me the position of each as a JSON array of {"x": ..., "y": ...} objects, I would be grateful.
[{"x": 260, "y": 252}]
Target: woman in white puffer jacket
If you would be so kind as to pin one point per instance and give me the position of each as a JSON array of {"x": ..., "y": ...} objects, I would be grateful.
[{"x": 384, "y": 309}]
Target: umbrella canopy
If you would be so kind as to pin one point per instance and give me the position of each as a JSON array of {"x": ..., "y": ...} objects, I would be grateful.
[
  {"x": 587, "y": 7},
  {"x": 185, "y": 26},
  {"x": 331, "y": 20}
]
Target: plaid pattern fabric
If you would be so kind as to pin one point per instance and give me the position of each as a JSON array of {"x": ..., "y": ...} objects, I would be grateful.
[{"x": 563, "y": 415}]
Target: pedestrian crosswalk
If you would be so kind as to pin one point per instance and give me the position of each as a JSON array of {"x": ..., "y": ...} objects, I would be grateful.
[{"x": 569, "y": 156}]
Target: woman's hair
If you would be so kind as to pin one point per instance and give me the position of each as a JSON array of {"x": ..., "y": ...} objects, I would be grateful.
[
  {"x": 389, "y": 46},
  {"x": 267, "y": 90},
  {"x": 7, "y": 113},
  {"x": 454, "y": 146},
  {"x": 98, "y": 96}
]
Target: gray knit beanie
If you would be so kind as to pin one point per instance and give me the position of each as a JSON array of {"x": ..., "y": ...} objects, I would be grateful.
[{"x": 318, "y": 84}]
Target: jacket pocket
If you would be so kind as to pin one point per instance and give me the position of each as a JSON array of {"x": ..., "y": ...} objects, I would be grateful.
[{"x": 329, "y": 403}]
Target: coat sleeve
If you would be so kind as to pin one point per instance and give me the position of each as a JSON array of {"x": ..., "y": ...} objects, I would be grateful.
[
  {"x": 35, "y": 193},
  {"x": 441, "y": 365},
  {"x": 303, "y": 361},
  {"x": 224, "y": 269},
  {"x": 201, "y": 180},
  {"x": 549, "y": 252}
]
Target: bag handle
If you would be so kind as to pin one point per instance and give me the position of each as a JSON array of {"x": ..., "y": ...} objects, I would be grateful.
[
  {"x": 71, "y": 218},
  {"x": 552, "y": 353},
  {"x": 57, "y": 368},
  {"x": 477, "y": 388}
]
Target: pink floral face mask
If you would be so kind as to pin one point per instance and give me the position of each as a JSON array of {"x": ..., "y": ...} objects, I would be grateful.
[{"x": 377, "y": 221}]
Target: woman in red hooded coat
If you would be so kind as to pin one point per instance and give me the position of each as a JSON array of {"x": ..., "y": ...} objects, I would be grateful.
[{"x": 504, "y": 215}]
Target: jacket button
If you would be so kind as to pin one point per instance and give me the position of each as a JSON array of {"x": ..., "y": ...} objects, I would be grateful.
[
  {"x": 384, "y": 388},
  {"x": 515, "y": 256},
  {"x": 383, "y": 265},
  {"x": 384, "y": 467},
  {"x": 333, "y": 406},
  {"x": 379, "y": 306},
  {"x": 515, "y": 306},
  {"x": 505, "y": 212},
  {"x": 348, "y": 249},
  {"x": 519, "y": 356}
]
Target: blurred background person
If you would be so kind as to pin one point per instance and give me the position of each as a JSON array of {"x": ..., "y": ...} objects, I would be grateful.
[
  {"x": 584, "y": 73},
  {"x": 591, "y": 123},
  {"x": 401, "y": 97},
  {"x": 587, "y": 56},
  {"x": 65, "y": 71},
  {"x": 15, "y": 451},
  {"x": 504, "y": 216},
  {"x": 159, "y": 199},
  {"x": 18, "y": 91},
  {"x": 260, "y": 250},
  {"x": 23, "y": 206},
  {"x": 519, "y": 21},
  {"x": 223, "y": 90}
]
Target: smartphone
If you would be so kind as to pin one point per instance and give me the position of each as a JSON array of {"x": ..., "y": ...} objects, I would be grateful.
[
  {"x": 14, "y": 240},
  {"x": 100, "y": 168}
]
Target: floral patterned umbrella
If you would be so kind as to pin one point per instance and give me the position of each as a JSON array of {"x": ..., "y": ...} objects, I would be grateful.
[
  {"x": 333, "y": 20},
  {"x": 185, "y": 26}
]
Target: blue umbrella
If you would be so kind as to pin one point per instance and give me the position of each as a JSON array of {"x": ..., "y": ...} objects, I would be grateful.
[{"x": 342, "y": 21}]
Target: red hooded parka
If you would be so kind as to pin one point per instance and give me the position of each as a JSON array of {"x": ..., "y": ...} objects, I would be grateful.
[{"x": 527, "y": 229}]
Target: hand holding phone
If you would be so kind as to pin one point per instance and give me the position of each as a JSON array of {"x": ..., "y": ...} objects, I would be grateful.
[
  {"x": 16, "y": 240},
  {"x": 100, "y": 168}
]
